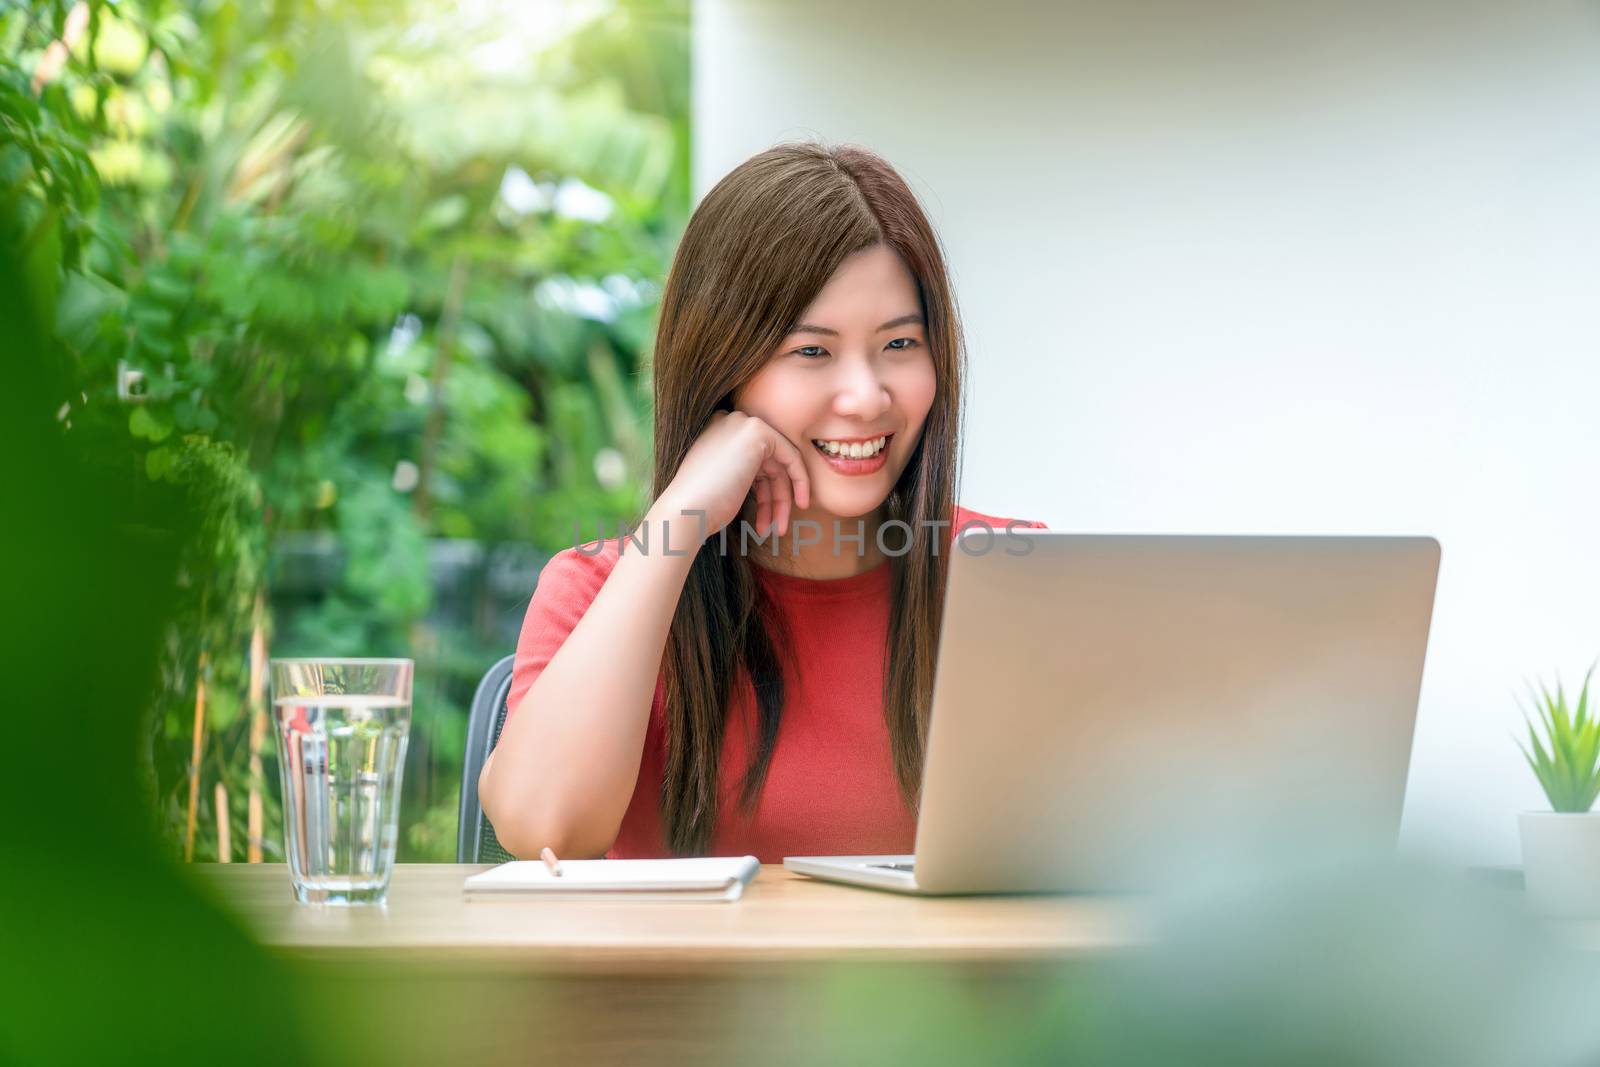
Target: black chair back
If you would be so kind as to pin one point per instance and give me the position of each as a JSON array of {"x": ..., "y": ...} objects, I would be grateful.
[{"x": 475, "y": 840}]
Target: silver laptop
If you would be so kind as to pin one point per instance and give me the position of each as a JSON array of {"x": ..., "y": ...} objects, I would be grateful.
[{"x": 1116, "y": 712}]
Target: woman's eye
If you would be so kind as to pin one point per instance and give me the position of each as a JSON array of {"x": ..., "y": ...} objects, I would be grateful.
[{"x": 899, "y": 344}]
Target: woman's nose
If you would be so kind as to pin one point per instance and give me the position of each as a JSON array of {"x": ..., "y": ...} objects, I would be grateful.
[{"x": 862, "y": 392}]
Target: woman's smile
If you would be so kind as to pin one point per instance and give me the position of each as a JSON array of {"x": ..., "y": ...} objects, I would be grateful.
[{"x": 854, "y": 455}]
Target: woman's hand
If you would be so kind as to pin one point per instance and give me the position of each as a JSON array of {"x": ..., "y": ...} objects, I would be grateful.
[{"x": 735, "y": 454}]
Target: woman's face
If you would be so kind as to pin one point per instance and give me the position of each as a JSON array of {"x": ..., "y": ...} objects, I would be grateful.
[{"x": 855, "y": 368}]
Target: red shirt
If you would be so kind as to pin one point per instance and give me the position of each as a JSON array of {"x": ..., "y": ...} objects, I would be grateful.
[{"x": 831, "y": 788}]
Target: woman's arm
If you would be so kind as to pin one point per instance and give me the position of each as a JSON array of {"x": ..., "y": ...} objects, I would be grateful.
[
  {"x": 567, "y": 761},
  {"x": 564, "y": 768}
]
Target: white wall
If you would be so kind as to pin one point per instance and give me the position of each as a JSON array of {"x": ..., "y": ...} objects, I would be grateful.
[{"x": 1319, "y": 267}]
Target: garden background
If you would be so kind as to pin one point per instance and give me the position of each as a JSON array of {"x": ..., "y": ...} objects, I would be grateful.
[{"x": 373, "y": 285}]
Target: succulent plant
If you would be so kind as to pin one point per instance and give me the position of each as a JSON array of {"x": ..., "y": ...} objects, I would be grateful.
[{"x": 1566, "y": 759}]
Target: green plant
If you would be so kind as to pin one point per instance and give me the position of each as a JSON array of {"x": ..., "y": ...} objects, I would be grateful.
[
  {"x": 1567, "y": 761},
  {"x": 339, "y": 276}
]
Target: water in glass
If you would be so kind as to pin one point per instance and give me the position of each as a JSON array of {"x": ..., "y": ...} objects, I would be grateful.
[{"x": 341, "y": 755}]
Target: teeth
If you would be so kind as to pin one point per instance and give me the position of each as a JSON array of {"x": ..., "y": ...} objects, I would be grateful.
[{"x": 854, "y": 450}]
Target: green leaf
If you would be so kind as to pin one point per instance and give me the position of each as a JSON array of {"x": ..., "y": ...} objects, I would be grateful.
[
  {"x": 42, "y": 266},
  {"x": 1566, "y": 760},
  {"x": 442, "y": 214},
  {"x": 149, "y": 424},
  {"x": 84, "y": 304},
  {"x": 222, "y": 707}
]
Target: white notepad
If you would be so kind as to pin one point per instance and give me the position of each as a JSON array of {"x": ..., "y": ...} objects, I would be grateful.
[{"x": 697, "y": 879}]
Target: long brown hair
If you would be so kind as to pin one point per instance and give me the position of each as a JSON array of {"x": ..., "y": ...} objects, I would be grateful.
[{"x": 757, "y": 251}]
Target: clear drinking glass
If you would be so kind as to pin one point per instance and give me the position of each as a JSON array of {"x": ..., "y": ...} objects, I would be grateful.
[{"x": 342, "y": 727}]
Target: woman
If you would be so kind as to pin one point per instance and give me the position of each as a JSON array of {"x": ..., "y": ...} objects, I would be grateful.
[{"x": 767, "y": 691}]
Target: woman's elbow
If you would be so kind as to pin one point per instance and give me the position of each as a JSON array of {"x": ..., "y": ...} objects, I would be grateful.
[
  {"x": 523, "y": 829},
  {"x": 526, "y": 839}
]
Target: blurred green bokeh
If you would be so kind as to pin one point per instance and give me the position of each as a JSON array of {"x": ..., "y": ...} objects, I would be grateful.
[{"x": 374, "y": 285}]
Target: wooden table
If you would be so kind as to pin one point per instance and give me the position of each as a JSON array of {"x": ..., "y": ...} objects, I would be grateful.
[
  {"x": 783, "y": 919},
  {"x": 616, "y": 981},
  {"x": 798, "y": 971}
]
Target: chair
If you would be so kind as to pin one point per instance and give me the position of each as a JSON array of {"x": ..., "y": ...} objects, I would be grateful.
[{"x": 475, "y": 840}]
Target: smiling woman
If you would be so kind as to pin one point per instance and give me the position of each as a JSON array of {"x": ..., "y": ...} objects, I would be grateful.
[{"x": 768, "y": 698}]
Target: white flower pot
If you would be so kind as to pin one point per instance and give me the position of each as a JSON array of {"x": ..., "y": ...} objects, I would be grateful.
[{"x": 1561, "y": 862}]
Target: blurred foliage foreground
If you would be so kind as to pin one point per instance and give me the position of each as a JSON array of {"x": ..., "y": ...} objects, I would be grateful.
[{"x": 371, "y": 285}]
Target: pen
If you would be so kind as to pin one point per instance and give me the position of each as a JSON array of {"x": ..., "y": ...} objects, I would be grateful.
[{"x": 550, "y": 861}]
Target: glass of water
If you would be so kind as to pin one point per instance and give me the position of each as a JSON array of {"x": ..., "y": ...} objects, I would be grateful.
[{"x": 342, "y": 727}]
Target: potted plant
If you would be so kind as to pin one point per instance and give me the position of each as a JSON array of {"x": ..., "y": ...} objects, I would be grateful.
[{"x": 1561, "y": 847}]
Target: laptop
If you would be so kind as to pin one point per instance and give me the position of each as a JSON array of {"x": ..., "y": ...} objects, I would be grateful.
[{"x": 1120, "y": 712}]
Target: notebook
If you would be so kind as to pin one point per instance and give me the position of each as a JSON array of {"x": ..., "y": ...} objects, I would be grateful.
[{"x": 707, "y": 878}]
